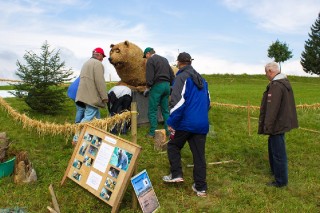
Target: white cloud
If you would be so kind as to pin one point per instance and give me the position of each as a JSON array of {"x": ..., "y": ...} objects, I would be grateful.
[
  {"x": 27, "y": 24},
  {"x": 279, "y": 16},
  {"x": 210, "y": 65},
  {"x": 15, "y": 8}
]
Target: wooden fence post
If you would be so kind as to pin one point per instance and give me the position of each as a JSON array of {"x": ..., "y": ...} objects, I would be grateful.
[{"x": 134, "y": 125}]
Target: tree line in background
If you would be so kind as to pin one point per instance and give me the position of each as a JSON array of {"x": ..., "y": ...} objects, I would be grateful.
[
  {"x": 310, "y": 57},
  {"x": 43, "y": 74}
]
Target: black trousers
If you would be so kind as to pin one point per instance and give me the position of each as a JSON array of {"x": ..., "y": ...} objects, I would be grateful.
[
  {"x": 123, "y": 103},
  {"x": 197, "y": 147},
  {"x": 116, "y": 106}
]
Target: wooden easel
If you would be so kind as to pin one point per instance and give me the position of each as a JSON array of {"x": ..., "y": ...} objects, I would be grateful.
[{"x": 94, "y": 177}]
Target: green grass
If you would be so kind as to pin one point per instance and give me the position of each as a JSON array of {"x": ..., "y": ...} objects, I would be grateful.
[
  {"x": 6, "y": 87},
  {"x": 233, "y": 187}
]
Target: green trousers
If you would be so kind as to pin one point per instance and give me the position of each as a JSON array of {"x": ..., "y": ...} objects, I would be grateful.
[{"x": 158, "y": 96}]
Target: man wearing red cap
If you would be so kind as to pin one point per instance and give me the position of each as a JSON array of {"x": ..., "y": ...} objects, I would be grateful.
[{"x": 92, "y": 92}]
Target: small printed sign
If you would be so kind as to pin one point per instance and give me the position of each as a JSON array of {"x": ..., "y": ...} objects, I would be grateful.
[{"x": 145, "y": 193}]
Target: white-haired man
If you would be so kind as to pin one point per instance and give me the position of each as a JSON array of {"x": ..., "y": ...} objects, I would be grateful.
[{"x": 277, "y": 116}]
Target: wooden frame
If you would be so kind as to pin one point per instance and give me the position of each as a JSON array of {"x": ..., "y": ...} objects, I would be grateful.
[{"x": 103, "y": 164}]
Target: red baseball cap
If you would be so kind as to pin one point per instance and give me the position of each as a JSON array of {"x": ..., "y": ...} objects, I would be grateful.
[{"x": 99, "y": 50}]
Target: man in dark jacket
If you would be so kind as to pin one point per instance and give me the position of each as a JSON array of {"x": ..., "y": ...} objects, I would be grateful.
[
  {"x": 277, "y": 116},
  {"x": 159, "y": 76},
  {"x": 188, "y": 121}
]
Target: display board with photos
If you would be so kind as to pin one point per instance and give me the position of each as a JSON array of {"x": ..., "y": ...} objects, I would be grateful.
[{"x": 103, "y": 164}]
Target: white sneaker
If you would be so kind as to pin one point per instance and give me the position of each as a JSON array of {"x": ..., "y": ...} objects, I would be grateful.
[
  {"x": 169, "y": 179},
  {"x": 202, "y": 193}
]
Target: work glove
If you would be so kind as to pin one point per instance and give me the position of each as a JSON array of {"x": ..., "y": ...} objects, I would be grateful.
[{"x": 146, "y": 92}]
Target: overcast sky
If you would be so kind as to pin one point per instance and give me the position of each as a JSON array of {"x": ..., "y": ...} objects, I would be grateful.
[{"x": 223, "y": 36}]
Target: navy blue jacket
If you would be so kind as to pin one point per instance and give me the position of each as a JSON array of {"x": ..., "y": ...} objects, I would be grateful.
[{"x": 190, "y": 102}]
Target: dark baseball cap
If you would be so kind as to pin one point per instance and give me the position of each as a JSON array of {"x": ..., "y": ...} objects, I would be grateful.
[
  {"x": 184, "y": 57},
  {"x": 148, "y": 49}
]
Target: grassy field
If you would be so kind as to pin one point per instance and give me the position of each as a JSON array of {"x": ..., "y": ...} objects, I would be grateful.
[{"x": 233, "y": 187}]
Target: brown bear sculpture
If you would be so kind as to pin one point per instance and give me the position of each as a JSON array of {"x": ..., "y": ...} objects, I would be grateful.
[{"x": 127, "y": 59}]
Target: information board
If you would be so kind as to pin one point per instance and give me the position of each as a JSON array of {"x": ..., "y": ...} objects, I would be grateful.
[{"x": 103, "y": 164}]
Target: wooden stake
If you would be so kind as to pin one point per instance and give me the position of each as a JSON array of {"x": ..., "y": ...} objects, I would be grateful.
[
  {"x": 54, "y": 199},
  {"x": 134, "y": 127},
  {"x": 310, "y": 130},
  {"x": 51, "y": 209},
  {"x": 214, "y": 163}
]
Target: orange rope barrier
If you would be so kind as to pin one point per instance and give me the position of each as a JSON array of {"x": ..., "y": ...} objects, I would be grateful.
[{"x": 302, "y": 106}]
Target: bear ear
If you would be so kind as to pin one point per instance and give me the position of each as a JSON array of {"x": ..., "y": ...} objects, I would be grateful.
[
  {"x": 112, "y": 45},
  {"x": 126, "y": 43}
]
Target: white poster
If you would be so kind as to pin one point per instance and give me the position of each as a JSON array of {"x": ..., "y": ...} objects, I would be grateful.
[
  {"x": 94, "y": 180},
  {"x": 102, "y": 160}
]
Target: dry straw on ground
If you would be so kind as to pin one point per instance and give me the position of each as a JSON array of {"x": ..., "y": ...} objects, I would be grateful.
[{"x": 64, "y": 129}]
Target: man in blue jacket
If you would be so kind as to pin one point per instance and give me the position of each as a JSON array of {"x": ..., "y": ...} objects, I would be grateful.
[{"x": 188, "y": 121}]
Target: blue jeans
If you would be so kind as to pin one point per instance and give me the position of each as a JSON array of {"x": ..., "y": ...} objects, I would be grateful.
[
  {"x": 278, "y": 158},
  {"x": 90, "y": 113},
  {"x": 79, "y": 113}
]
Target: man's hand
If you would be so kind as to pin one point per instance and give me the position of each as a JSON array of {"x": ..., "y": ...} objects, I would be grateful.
[
  {"x": 172, "y": 132},
  {"x": 171, "y": 129},
  {"x": 146, "y": 92},
  {"x": 140, "y": 89}
]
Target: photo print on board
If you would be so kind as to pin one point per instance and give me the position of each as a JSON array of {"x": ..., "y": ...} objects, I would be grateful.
[
  {"x": 96, "y": 141},
  {"x": 121, "y": 158},
  {"x": 88, "y": 137},
  {"x": 113, "y": 172},
  {"x": 105, "y": 194},
  {"x": 110, "y": 183},
  {"x": 93, "y": 150},
  {"x": 83, "y": 148},
  {"x": 87, "y": 161},
  {"x": 77, "y": 164},
  {"x": 76, "y": 175}
]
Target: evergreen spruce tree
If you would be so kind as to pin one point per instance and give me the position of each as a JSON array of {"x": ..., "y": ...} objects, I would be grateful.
[
  {"x": 280, "y": 52},
  {"x": 310, "y": 57},
  {"x": 42, "y": 76}
]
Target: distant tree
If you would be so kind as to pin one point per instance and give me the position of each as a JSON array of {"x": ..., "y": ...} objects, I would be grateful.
[
  {"x": 41, "y": 80},
  {"x": 310, "y": 57},
  {"x": 280, "y": 52}
]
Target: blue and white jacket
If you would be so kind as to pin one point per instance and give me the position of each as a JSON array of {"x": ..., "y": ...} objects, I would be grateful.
[{"x": 190, "y": 102}]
